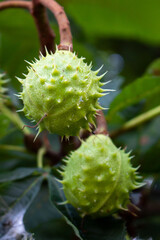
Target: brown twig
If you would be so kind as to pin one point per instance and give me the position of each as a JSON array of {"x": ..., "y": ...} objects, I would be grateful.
[
  {"x": 63, "y": 22},
  {"x": 16, "y": 4},
  {"x": 45, "y": 32},
  {"x": 101, "y": 123}
]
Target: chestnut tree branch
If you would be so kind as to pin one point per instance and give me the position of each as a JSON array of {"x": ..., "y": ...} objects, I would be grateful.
[
  {"x": 63, "y": 22},
  {"x": 101, "y": 123},
  {"x": 45, "y": 32},
  {"x": 16, "y": 4}
]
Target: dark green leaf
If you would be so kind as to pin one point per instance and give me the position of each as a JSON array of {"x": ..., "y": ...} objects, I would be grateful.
[
  {"x": 150, "y": 160},
  {"x": 124, "y": 19},
  {"x": 148, "y": 224},
  {"x": 4, "y": 126},
  {"x": 44, "y": 220},
  {"x": 154, "y": 68},
  {"x": 140, "y": 89},
  {"x": 57, "y": 198},
  {"x": 15, "y": 198},
  {"x": 41, "y": 210},
  {"x": 10, "y": 160},
  {"x": 104, "y": 229},
  {"x": 16, "y": 174},
  {"x": 56, "y": 229},
  {"x": 87, "y": 228},
  {"x": 148, "y": 228},
  {"x": 19, "y": 42}
]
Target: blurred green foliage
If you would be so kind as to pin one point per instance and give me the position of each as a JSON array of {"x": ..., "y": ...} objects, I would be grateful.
[
  {"x": 138, "y": 20},
  {"x": 124, "y": 36}
]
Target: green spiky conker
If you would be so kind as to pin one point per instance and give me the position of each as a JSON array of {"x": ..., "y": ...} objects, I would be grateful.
[
  {"x": 63, "y": 87},
  {"x": 98, "y": 177}
]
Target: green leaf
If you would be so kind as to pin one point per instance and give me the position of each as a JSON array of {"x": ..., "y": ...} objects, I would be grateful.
[
  {"x": 144, "y": 142},
  {"x": 87, "y": 228},
  {"x": 132, "y": 19},
  {"x": 10, "y": 160},
  {"x": 15, "y": 199},
  {"x": 150, "y": 160},
  {"x": 104, "y": 229},
  {"x": 154, "y": 68},
  {"x": 148, "y": 227},
  {"x": 140, "y": 89},
  {"x": 41, "y": 210},
  {"x": 16, "y": 174},
  {"x": 56, "y": 229},
  {"x": 4, "y": 126},
  {"x": 19, "y": 42},
  {"x": 57, "y": 198},
  {"x": 44, "y": 220}
]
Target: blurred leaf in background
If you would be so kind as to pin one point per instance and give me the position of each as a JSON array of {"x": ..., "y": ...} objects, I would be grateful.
[
  {"x": 138, "y": 20},
  {"x": 124, "y": 36}
]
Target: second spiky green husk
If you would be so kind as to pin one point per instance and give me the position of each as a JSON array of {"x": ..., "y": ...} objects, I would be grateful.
[
  {"x": 63, "y": 87},
  {"x": 98, "y": 177}
]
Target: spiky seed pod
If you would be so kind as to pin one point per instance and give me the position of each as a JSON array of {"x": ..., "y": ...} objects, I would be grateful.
[
  {"x": 63, "y": 87},
  {"x": 98, "y": 177}
]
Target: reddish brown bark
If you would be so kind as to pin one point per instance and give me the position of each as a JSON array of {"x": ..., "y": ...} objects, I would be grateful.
[
  {"x": 15, "y": 4},
  {"x": 63, "y": 22},
  {"x": 45, "y": 32},
  {"x": 101, "y": 124}
]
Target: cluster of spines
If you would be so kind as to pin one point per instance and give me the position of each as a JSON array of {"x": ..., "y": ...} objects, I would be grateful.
[
  {"x": 50, "y": 86},
  {"x": 64, "y": 81},
  {"x": 97, "y": 189}
]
